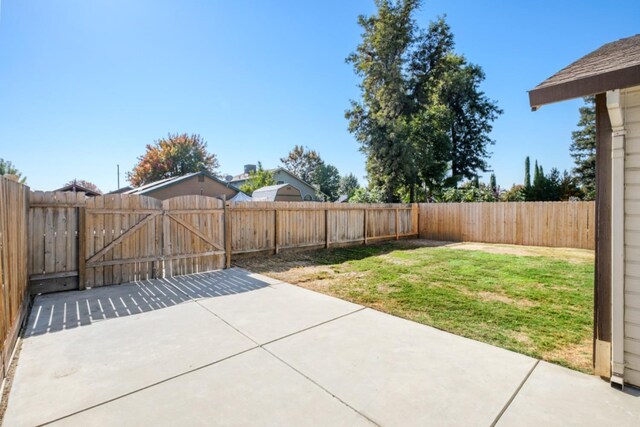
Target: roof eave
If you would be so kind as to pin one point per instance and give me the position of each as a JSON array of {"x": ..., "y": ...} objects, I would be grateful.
[{"x": 591, "y": 85}]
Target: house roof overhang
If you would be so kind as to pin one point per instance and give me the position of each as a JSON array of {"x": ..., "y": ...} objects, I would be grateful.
[{"x": 615, "y": 65}]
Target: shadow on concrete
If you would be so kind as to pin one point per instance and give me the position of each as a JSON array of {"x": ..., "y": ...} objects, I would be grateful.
[{"x": 68, "y": 310}]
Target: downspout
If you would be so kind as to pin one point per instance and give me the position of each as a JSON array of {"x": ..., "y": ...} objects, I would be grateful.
[{"x": 617, "y": 236}]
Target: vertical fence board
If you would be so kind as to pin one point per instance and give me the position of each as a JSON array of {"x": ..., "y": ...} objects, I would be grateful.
[{"x": 553, "y": 224}]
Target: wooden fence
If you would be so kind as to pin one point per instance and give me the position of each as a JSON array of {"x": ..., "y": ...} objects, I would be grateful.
[
  {"x": 14, "y": 206},
  {"x": 76, "y": 243},
  {"x": 553, "y": 224}
]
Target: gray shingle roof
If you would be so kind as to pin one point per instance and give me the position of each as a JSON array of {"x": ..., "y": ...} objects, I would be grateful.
[
  {"x": 170, "y": 181},
  {"x": 612, "y": 56},
  {"x": 615, "y": 65}
]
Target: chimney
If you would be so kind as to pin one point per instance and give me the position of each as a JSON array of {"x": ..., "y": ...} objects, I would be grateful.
[{"x": 249, "y": 168}]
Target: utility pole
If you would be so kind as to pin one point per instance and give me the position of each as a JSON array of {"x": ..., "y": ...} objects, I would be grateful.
[{"x": 118, "y": 177}]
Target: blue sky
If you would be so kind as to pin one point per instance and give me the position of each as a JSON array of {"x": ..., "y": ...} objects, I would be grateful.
[{"x": 85, "y": 85}]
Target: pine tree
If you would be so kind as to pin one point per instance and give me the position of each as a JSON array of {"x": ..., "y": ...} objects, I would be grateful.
[
  {"x": 583, "y": 149},
  {"x": 527, "y": 173}
]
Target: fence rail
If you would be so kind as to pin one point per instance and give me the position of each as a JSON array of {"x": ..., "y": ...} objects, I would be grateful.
[
  {"x": 14, "y": 207},
  {"x": 552, "y": 224},
  {"x": 76, "y": 242}
]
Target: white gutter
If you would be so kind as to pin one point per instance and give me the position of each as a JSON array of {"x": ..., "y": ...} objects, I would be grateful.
[{"x": 617, "y": 235}]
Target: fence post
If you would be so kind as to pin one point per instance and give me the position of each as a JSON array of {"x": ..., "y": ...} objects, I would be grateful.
[
  {"x": 365, "y": 230},
  {"x": 276, "y": 230},
  {"x": 397, "y": 222},
  {"x": 326, "y": 227},
  {"x": 82, "y": 248},
  {"x": 227, "y": 234}
]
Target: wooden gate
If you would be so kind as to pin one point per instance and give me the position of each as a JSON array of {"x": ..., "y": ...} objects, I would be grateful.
[{"x": 129, "y": 238}]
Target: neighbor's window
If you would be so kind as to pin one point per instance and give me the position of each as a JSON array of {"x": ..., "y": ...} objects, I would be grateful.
[{"x": 308, "y": 198}]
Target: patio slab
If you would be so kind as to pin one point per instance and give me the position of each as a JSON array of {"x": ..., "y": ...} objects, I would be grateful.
[
  {"x": 277, "y": 311},
  {"x": 397, "y": 372},
  {"x": 226, "y": 348},
  {"x": 253, "y": 388},
  {"x": 555, "y": 396},
  {"x": 64, "y": 372}
]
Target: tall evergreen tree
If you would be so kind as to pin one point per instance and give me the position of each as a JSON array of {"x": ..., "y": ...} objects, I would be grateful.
[
  {"x": 492, "y": 182},
  {"x": 421, "y": 114},
  {"x": 583, "y": 149},
  {"x": 472, "y": 114},
  {"x": 527, "y": 173}
]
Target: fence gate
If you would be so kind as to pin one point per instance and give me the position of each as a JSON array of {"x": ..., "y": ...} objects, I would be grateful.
[{"x": 129, "y": 237}]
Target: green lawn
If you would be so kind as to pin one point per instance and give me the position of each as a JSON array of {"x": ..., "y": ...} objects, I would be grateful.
[{"x": 539, "y": 302}]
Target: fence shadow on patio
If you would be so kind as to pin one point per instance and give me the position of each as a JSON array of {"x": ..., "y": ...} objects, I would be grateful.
[{"x": 68, "y": 310}]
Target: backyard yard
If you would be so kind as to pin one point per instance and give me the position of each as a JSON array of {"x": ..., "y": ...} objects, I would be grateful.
[{"x": 536, "y": 301}]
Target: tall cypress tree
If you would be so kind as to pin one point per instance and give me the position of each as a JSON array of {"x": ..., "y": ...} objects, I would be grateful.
[
  {"x": 527, "y": 173},
  {"x": 492, "y": 183}
]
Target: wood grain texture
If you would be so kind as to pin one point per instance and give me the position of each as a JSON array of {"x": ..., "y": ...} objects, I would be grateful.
[
  {"x": 14, "y": 263},
  {"x": 551, "y": 224}
]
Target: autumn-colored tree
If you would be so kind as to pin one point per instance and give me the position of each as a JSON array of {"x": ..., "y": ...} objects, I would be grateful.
[
  {"x": 175, "y": 155},
  {"x": 83, "y": 183}
]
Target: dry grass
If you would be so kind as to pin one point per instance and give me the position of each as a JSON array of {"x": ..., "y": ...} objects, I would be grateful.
[{"x": 537, "y": 301}]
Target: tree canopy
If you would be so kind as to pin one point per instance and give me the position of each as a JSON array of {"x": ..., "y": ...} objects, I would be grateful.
[
  {"x": 175, "y": 155},
  {"x": 302, "y": 162},
  {"x": 348, "y": 185},
  {"x": 258, "y": 179},
  {"x": 421, "y": 120},
  {"x": 307, "y": 165},
  {"x": 7, "y": 168}
]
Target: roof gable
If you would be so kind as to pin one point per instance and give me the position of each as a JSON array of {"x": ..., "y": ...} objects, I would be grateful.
[
  {"x": 615, "y": 65},
  {"x": 167, "y": 182}
]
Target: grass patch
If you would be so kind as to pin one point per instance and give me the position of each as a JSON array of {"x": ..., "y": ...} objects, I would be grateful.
[{"x": 540, "y": 305}]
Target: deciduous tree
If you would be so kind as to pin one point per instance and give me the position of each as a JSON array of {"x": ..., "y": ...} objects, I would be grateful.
[
  {"x": 175, "y": 155},
  {"x": 302, "y": 162},
  {"x": 258, "y": 179},
  {"x": 348, "y": 185}
]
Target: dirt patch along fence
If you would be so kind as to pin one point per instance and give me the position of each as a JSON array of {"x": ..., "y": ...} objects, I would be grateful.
[
  {"x": 77, "y": 242},
  {"x": 14, "y": 207},
  {"x": 551, "y": 224}
]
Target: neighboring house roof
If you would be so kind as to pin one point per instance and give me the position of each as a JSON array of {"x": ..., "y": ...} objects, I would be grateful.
[
  {"x": 615, "y": 65},
  {"x": 245, "y": 176},
  {"x": 167, "y": 182},
  {"x": 270, "y": 192},
  {"x": 241, "y": 197},
  {"x": 120, "y": 190},
  {"x": 342, "y": 199},
  {"x": 77, "y": 188}
]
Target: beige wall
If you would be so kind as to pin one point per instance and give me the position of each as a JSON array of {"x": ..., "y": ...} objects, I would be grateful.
[
  {"x": 192, "y": 187},
  {"x": 631, "y": 105}
]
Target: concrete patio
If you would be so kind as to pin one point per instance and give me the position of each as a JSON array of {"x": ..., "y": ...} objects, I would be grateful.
[{"x": 234, "y": 348}]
